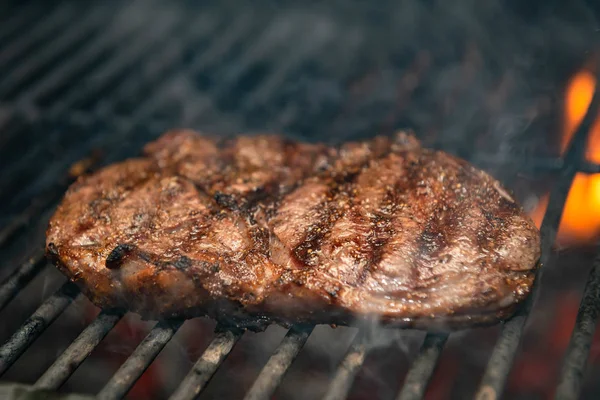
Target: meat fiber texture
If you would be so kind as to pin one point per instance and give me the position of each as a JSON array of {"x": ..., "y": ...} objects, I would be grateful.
[{"x": 259, "y": 229}]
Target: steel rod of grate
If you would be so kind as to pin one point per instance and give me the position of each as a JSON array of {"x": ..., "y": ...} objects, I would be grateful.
[
  {"x": 16, "y": 223},
  {"x": 65, "y": 106},
  {"x": 36, "y": 324},
  {"x": 25, "y": 15},
  {"x": 86, "y": 58},
  {"x": 151, "y": 103},
  {"x": 90, "y": 52},
  {"x": 37, "y": 207},
  {"x": 167, "y": 70},
  {"x": 243, "y": 28},
  {"x": 42, "y": 31},
  {"x": 143, "y": 53},
  {"x": 423, "y": 367},
  {"x": 131, "y": 370},
  {"x": 506, "y": 347},
  {"x": 202, "y": 60},
  {"x": 155, "y": 101},
  {"x": 218, "y": 48},
  {"x": 272, "y": 374},
  {"x": 206, "y": 366},
  {"x": 261, "y": 49},
  {"x": 75, "y": 33},
  {"x": 130, "y": 55},
  {"x": 78, "y": 351},
  {"x": 98, "y": 140},
  {"x": 574, "y": 363},
  {"x": 22, "y": 275},
  {"x": 160, "y": 27},
  {"x": 10, "y": 126},
  {"x": 311, "y": 44},
  {"x": 344, "y": 377}
]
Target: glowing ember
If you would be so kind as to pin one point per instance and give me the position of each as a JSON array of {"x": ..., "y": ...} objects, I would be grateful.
[{"x": 580, "y": 221}]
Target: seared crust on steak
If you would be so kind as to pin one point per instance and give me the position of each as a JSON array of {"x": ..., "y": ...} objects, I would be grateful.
[{"x": 260, "y": 228}]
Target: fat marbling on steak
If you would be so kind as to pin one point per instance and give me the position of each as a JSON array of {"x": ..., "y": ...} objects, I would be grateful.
[{"x": 262, "y": 228}]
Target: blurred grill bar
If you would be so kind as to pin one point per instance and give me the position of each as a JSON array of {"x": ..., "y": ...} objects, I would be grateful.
[
  {"x": 20, "y": 277},
  {"x": 38, "y": 67},
  {"x": 75, "y": 37},
  {"x": 140, "y": 360},
  {"x": 423, "y": 367},
  {"x": 36, "y": 325},
  {"x": 264, "y": 386},
  {"x": 13, "y": 24},
  {"x": 17, "y": 49},
  {"x": 344, "y": 377},
  {"x": 81, "y": 348},
  {"x": 578, "y": 351},
  {"x": 207, "y": 364},
  {"x": 172, "y": 53}
]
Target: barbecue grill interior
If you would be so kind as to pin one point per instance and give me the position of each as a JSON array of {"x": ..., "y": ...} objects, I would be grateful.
[{"x": 86, "y": 84}]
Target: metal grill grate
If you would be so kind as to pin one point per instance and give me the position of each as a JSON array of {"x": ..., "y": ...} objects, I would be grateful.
[{"x": 60, "y": 71}]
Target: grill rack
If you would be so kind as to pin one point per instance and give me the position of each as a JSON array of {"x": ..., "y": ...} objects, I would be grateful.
[{"x": 135, "y": 48}]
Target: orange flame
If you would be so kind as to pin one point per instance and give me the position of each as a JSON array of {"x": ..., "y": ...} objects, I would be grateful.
[{"x": 580, "y": 222}]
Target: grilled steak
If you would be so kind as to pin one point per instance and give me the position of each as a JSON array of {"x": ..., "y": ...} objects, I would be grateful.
[{"x": 260, "y": 228}]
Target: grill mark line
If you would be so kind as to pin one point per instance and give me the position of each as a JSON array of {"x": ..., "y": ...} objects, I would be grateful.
[{"x": 342, "y": 185}]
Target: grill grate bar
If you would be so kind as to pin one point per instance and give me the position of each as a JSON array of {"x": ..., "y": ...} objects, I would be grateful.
[
  {"x": 36, "y": 325},
  {"x": 503, "y": 355},
  {"x": 13, "y": 26},
  {"x": 41, "y": 204},
  {"x": 22, "y": 275},
  {"x": 64, "y": 72},
  {"x": 78, "y": 351},
  {"x": 265, "y": 46},
  {"x": 98, "y": 81},
  {"x": 207, "y": 364},
  {"x": 578, "y": 351},
  {"x": 12, "y": 134},
  {"x": 311, "y": 45},
  {"x": 344, "y": 377},
  {"x": 216, "y": 52},
  {"x": 33, "y": 210},
  {"x": 160, "y": 28},
  {"x": 272, "y": 374},
  {"x": 99, "y": 140},
  {"x": 150, "y": 104},
  {"x": 156, "y": 99},
  {"x": 207, "y": 107},
  {"x": 140, "y": 360},
  {"x": 42, "y": 31},
  {"x": 423, "y": 367},
  {"x": 164, "y": 69},
  {"x": 8, "y": 125},
  {"x": 78, "y": 33}
]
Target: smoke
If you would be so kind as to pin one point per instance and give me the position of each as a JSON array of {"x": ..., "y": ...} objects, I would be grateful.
[{"x": 490, "y": 81}]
